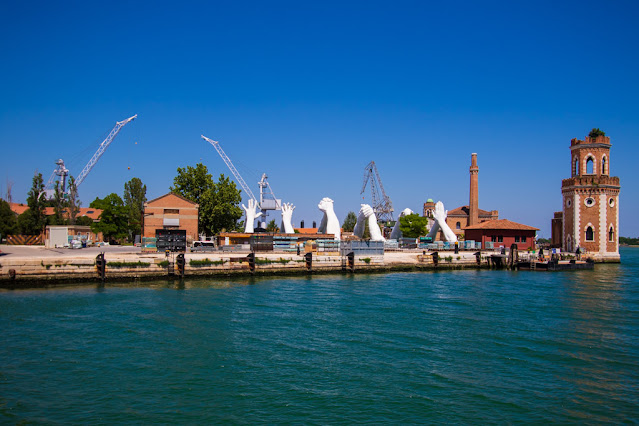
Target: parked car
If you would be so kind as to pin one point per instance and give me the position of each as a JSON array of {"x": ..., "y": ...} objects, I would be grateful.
[{"x": 203, "y": 246}]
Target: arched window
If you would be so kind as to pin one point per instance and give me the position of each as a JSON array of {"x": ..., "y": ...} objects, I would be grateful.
[
  {"x": 590, "y": 166},
  {"x": 590, "y": 234},
  {"x": 576, "y": 168},
  {"x": 603, "y": 166},
  {"x": 611, "y": 234},
  {"x": 458, "y": 225}
]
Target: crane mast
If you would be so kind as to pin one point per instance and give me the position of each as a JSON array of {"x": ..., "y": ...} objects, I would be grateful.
[
  {"x": 382, "y": 204},
  {"x": 231, "y": 167},
  {"x": 103, "y": 146}
]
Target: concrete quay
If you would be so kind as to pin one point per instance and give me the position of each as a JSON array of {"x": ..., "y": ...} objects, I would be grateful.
[{"x": 35, "y": 266}]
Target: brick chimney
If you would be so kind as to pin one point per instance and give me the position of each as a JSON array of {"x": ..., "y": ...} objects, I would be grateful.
[{"x": 473, "y": 205}]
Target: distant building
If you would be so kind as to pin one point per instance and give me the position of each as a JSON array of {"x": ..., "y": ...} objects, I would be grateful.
[
  {"x": 171, "y": 211},
  {"x": 61, "y": 236},
  {"x": 93, "y": 214},
  {"x": 502, "y": 232},
  {"x": 590, "y": 215}
]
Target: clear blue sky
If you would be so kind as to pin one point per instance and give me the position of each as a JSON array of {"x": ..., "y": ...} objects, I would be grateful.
[{"x": 311, "y": 92}]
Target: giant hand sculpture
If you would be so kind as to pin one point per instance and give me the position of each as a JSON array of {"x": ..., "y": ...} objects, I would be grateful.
[
  {"x": 251, "y": 215},
  {"x": 366, "y": 212},
  {"x": 396, "y": 233},
  {"x": 330, "y": 223},
  {"x": 440, "y": 223},
  {"x": 287, "y": 216}
]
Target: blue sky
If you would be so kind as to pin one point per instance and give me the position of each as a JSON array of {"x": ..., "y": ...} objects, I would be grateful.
[{"x": 310, "y": 93}]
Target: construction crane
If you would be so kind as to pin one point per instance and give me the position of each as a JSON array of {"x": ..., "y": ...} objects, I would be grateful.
[
  {"x": 62, "y": 172},
  {"x": 382, "y": 204},
  {"x": 267, "y": 200}
]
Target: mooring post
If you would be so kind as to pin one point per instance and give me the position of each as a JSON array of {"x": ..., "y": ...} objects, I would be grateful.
[
  {"x": 435, "y": 258},
  {"x": 308, "y": 257},
  {"x": 100, "y": 264},
  {"x": 181, "y": 264},
  {"x": 351, "y": 261},
  {"x": 251, "y": 261}
]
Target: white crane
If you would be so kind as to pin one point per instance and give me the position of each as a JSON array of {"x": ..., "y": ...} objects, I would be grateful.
[
  {"x": 267, "y": 200},
  {"x": 63, "y": 172}
]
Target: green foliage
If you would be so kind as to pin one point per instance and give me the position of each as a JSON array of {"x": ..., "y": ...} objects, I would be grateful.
[
  {"x": 134, "y": 199},
  {"x": 73, "y": 202},
  {"x": 264, "y": 261},
  {"x": 57, "y": 218},
  {"x": 272, "y": 226},
  {"x": 596, "y": 132},
  {"x": 137, "y": 264},
  {"x": 33, "y": 221},
  {"x": 84, "y": 221},
  {"x": 8, "y": 221},
  {"x": 114, "y": 218},
  {"x": 205, "y": 262},
  {"x": 349, "y": 222},
  {"x": 366, "y": 260},
  {"x": 629, "y": 241},
  {"x": 219, "y": 202},
  {"x": 413, "y": 225},
  {"x": 163, "y": 264}
]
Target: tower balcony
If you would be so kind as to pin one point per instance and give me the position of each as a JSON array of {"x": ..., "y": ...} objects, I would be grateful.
[{"x": 590, "y": 180}]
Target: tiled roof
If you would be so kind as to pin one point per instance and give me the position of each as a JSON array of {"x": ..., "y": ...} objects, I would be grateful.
[
  {"x": 173, "y": 194},
  {"x": 306, "y": 230},
  {"x": 502, "y": 224},
  {"x": 464, "y": 211},
  {"x": 50, "y": 211}
]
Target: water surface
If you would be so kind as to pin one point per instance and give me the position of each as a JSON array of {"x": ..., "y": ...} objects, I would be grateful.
[{"x": 453, "y": 346}]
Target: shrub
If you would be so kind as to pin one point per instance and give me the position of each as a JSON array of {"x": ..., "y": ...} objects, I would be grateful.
[
  {"x": 205, "y": 262},
  {"x": 137, "y": 264}
]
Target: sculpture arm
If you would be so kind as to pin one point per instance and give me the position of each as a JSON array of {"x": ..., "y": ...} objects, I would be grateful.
[
  {"x": 287, "y": 216},
  {"x": 373, "y": 226},
  {"x": 358, "y": 230},
  {"x": 396, "y": 233},
  {"x": 251, "y": 215}
]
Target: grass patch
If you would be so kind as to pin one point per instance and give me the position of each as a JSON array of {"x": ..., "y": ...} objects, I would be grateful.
[
  {"x": 269, "y": 261},
  {"x": 163, "y": 264},
  {"x": 137, "y": 264},
  {"x": 205, "y": 262},
  {"x": 366, "y": 260}
]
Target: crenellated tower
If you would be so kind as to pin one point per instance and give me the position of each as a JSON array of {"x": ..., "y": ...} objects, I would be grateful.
[{"x": 591, "y": 200}]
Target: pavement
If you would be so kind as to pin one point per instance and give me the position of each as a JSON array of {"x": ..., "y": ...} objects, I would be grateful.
[{"x": 10, "y": 251}]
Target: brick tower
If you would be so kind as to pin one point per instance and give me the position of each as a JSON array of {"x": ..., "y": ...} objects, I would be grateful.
[
  {"x": 591, "y": 200},
  {"x": 473, "y": 205}
]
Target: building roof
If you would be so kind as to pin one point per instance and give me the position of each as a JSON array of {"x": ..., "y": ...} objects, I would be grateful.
[
  {"x": 306, "y": 230},
  {"x": 465, "y": 211},
  {"x": 50, "y": 211},
  {"x": 501, "y": 224},
  {"x": 173, "y": 194}
]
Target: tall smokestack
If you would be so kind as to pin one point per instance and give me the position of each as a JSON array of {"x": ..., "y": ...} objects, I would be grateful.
[{"x": 473, "y": 205}]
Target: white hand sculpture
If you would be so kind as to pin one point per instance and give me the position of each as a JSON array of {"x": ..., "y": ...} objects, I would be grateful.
[
  {"x": 440, "y": 223},
  {"x": 330, "y": 223},
  {"x": 396, "y": 233},
  {"x": 287, "y": 216},
  {"x": 373, "y": 227},
  {"x": 360, "y": 225},
  {"x": 251, "y": 215}
]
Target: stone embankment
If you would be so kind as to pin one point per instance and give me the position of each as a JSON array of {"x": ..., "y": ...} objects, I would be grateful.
[{"x": 39, "y": 267}]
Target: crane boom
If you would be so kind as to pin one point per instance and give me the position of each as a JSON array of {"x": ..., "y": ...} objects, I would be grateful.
[
  {"x": 103, "y": 146},
  {"x": 231, "y": 167}
]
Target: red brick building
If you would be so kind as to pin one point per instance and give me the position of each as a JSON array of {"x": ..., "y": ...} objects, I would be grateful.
[
  {"x": 502, "y": 232},
  {"x": 590, "y": 215},
  {"x": 171, "y": 211}
]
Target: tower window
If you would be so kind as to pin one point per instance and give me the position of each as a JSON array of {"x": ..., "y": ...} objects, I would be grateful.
[
  {"x": 589, "y": 202},
  {"x": 611, "y": 234},
  {"x": 576, "y": 168},
  {"x": 603, "y": 166},
  {"x": 458, "y": 225},
  {"x": 590, "y": 166},
  {"x": 611, "y": 202},
  {"x": 590, "y": 234}
]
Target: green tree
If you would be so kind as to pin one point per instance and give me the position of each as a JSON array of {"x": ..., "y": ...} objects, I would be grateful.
[
  {"x": 596, "y": 132},
  {"x": 114, "y": 218},
  {"x": 349, "y": 222},
  {"x": 33, "y": 221},
  {"x": 84, "y": 221},
  {"x": 272, "y": 226},
  {"x": 73, "y": 202},
  {"x": 134, "y": 199},
  {"x": 219, "y": 202},
  {"x": 8, "y": 221},
  {"x": 59, "y": 206},
  {"x": 413, "y": 225}
]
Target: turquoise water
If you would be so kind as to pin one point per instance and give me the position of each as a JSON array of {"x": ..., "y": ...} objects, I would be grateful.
[{"x": 456, "y": 346}]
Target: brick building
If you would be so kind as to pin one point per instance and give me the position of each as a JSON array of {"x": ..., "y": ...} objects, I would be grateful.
[
  {"x": 171, "y": 211},
  {"x": 502, "y": 232},
  {"x": 590, "y": 215}
]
